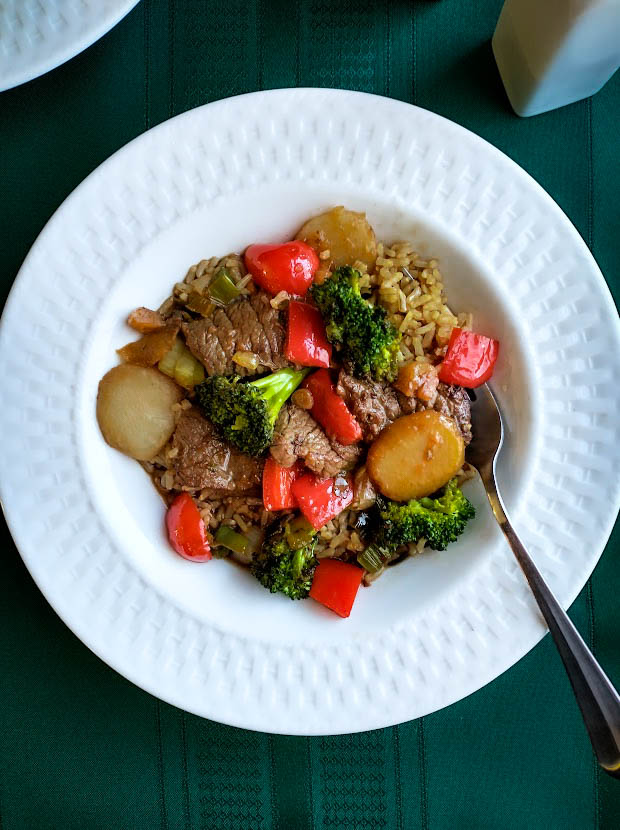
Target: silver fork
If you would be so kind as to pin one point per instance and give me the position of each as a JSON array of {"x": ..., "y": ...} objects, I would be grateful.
[{"x": 598, "y": 700}]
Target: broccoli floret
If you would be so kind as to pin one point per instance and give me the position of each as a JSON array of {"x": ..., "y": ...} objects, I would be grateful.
[
  {"x": 245, "y": 412},
  {"x": 439, "y": 520},
  {"x": 286, "y": 562},
  {"x": 367, "y": 341}
]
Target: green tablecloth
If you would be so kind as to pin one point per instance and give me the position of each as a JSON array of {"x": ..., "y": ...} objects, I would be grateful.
[{"x": 82, "y": 748}]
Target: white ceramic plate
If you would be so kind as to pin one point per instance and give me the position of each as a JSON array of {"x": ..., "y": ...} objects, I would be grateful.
[
  {"x": 88, "y": 523},
  {"x": 39, "y": 35}
]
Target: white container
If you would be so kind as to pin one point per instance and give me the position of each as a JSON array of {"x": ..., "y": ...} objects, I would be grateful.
[{"x": 553, "y": 52}]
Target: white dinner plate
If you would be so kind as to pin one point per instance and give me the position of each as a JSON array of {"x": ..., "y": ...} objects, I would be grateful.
[
  {"x": 39, "y": 35},
  {"x": 87, "y": 520}
]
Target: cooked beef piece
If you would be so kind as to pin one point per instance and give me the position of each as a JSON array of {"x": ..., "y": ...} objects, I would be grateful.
[
  {"x": 204, "y": 460},
  {"x": 374, "y": 404},
  {"x": 297, "y": 435},
  {"x": 451, "y": 401},
  {"x": 249, "y": 324}
]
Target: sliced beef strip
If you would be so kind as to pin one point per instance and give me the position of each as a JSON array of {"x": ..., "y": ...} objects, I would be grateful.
[
  {"x": 249, "y": 324},
  {"x": 204, "y": 460},
  {"x": 297, "y": 435},
  {"x": 451, "y": 401},
  {"x": 373, "y": 404}
]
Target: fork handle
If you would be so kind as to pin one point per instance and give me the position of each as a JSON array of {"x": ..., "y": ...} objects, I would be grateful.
[{"x": 598, "y": 700}]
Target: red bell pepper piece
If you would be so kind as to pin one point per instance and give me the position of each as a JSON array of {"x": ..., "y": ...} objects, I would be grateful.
[
  {"x": 335, "y": 585},
  {"x": 277, "y": 484},
  {"x": 290, "y": 267},
  {"x": 470, "y": 359},
  {"x": 307, "y": 343},
  {"x": 322, "y": 499},
  {"x": 330, "y": 410},
  {"x": 186, "y": 529}
]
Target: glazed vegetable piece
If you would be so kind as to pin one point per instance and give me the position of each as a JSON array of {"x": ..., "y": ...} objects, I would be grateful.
[
  {"x": 144, "y": 320},
  {"x": 242, "y": 545},
  {"x": 330, "y": 410},
  {"x": 245, "y": 412},
  {"x": 321, "y": 500},
  {"x": 150, "y": 348},
  {"x": 366, "y": 341},
  {"x": 335, "y": 585},
  {"x": 345, "y": 234},
  {"x": 186, "y": 529},
  {"x": 135, "y": 410},
  {"x": 278, "y": 483},
  {"x": 306, "y": 342},
  {"x": 181, "y": 365},
  {"x": 222, "y": 290},
  {"x": 418, "y": 380},
  {"x": 289, "y": 267},
  {"x": 286, "y": 561},
  {"x": 470, "y": 359},
  {"x": 415, "y": 455},
  {"x": 439, "y": 520}
]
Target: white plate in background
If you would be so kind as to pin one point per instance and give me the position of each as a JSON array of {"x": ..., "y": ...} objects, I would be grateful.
[
  {"x": 88, "y": 522},
  {"x": 39, "y": 35}
]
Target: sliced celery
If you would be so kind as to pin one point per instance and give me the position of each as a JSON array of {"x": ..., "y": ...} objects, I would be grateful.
[
  {"x": 370, "y": 559},
  {"x": 184, "y": 370},
  {"x": 169, "y": 361}
]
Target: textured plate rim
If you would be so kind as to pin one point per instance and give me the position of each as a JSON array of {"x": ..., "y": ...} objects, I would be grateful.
[
  {"x": 63, "y": 53},
  {"x": 81, "y": 630}
]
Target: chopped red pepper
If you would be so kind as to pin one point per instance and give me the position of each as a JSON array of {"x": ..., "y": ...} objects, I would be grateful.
[
  {"x": 277, "y": 484},
  {"x": 335, "y": 585},
  {"x": 307, "y": 343},
  {"x": 330, "y": 410},
  {"x": 470, "y": 359},
  {"x": 289, "y": 267},
  {"x": 186, "y": 529},
  {"x": 320, "y": 500}
]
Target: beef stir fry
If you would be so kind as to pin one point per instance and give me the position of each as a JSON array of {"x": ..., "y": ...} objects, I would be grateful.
[{"x": 302, "y": 408}]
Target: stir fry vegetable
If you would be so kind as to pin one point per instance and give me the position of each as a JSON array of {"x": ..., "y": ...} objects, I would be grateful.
[
  {"x": 290, "y": 267},
  {"x": 285, "y": 567},
  {"x": 179, "y": 363},
  {"x": 151, "y": 347},
  {"x": 222, "y": 289},
  {"x": 416, "y": 455},
  {"x": 186, "y": 529},
  {"x": 245, "y": 412},
  {"x": 330, "y": 410},
  {"x": 322, "y": 500},
  {"x": 335, "y": 585},
  {"x": 307, "y": 343},
  {"x": 367, "y": 342},
  {"x": 470, "y": 359},
  {"x": 278, "y": 484}
]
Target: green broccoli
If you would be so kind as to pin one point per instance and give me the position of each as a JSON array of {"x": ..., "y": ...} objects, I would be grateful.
[
  {"x": 439, "y": 520},
  {"x": 245, "y": 412},
  {"x": 367, "y": 341},
  {"x": 285, "y": 563}
]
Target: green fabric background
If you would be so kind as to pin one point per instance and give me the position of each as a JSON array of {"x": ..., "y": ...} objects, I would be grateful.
[{"x": 82, "y": 748}]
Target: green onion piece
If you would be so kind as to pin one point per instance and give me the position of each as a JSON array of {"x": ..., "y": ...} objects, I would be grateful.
[
  {"x": 299, "y": 533},
  {"x": 370, "y": 559},
  {"x": 202, "y": 305},
  {"x": 231, "y": 539},
  {"x": 222, "y": 289}
]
